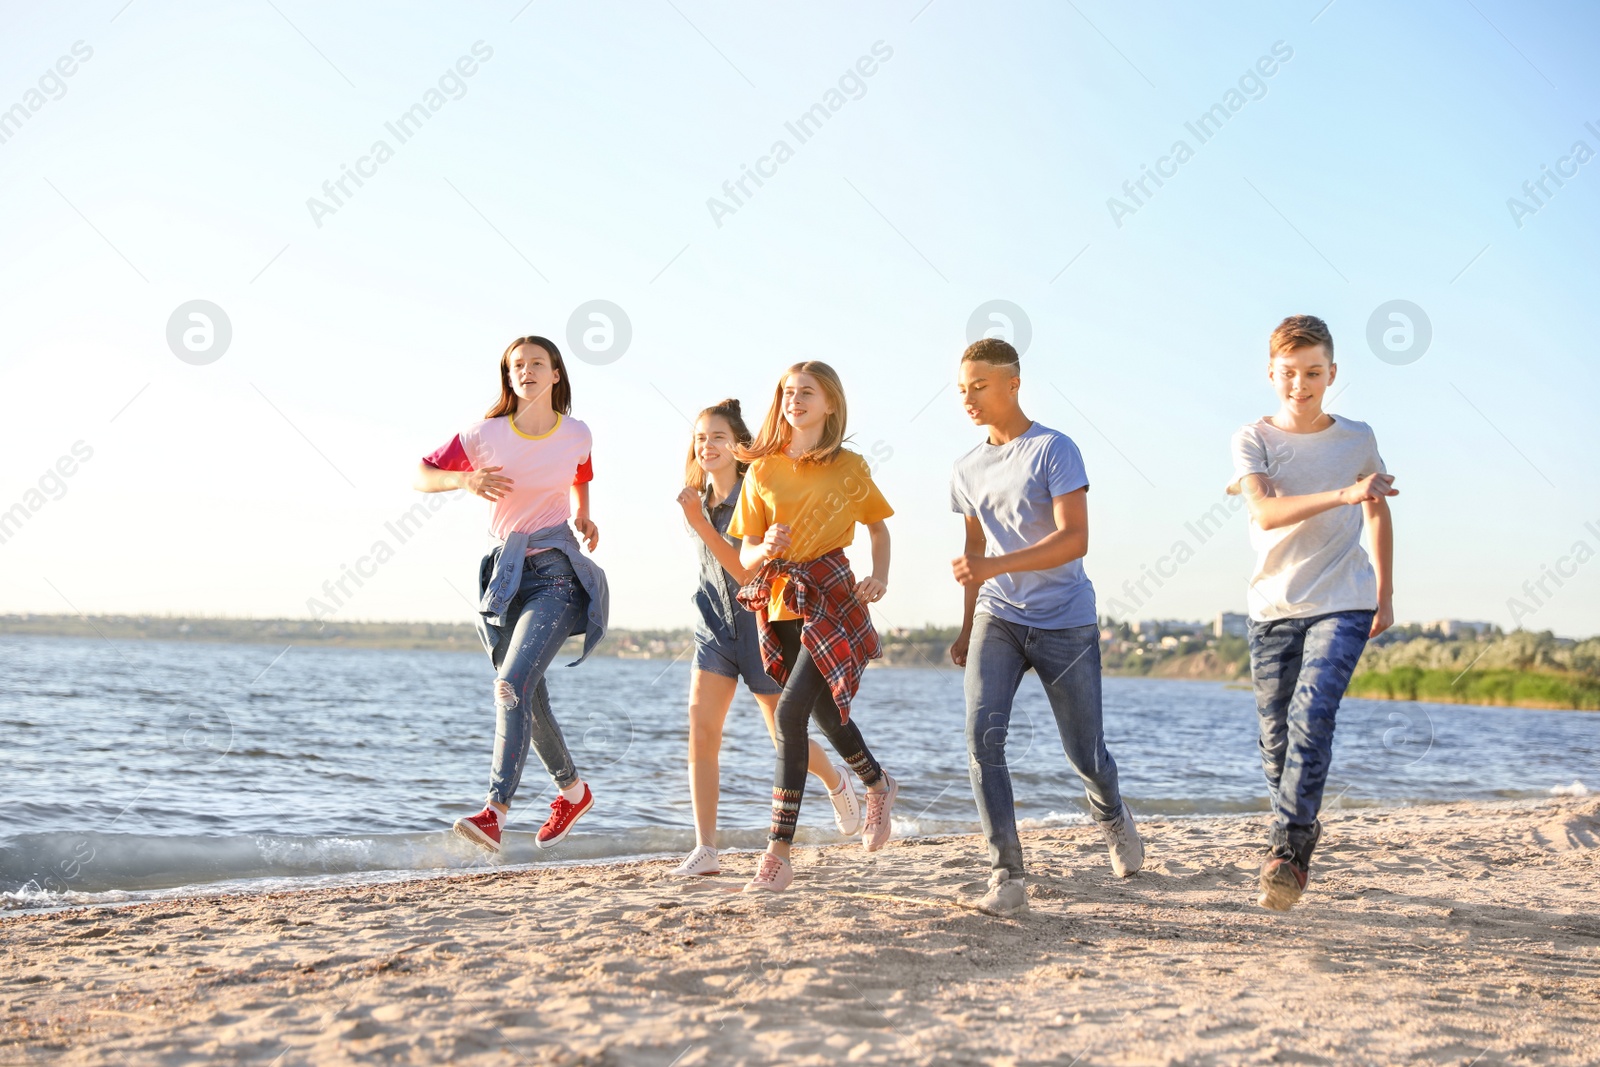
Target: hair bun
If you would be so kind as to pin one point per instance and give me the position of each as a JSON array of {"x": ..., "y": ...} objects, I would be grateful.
[{"x": 732, "y": 404}]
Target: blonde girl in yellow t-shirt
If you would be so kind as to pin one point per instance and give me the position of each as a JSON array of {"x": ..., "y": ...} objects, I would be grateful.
[
  {"x": 802, "y": 497},
  {"x": 726, "y": 644}
]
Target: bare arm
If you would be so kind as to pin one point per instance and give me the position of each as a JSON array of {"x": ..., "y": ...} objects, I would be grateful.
[
  {"x": 756, "y": 551},
  {"x": 1380, "y": 528},
  {"x": 975, "y": 546},
  {"x": 725, "y": 553},
  {"x": 876, "y": 584},
  {"x": 1271, "y": 511},
  {"x": 1067, "y": 542},
  {"x": 579, "y": 495},
  {"x": 486, "y": 482}
]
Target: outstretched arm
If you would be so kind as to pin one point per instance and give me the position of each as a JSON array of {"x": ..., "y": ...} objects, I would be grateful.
[{"x": 1271, "y": 511}]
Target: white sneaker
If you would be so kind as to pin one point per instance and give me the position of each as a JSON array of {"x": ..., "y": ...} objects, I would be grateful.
[
  {"x": 846, "y": 807},
  {"x": 702, "y": 861},
  {"x": 1007, "y": 896},
  {"x": 1122, "y": 839}
]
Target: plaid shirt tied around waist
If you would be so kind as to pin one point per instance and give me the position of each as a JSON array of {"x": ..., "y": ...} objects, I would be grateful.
[{"x": 837, "y": 628}]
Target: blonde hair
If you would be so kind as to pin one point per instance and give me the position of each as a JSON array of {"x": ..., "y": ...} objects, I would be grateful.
[
  {"x": 1300, "y": 331},
  {"x": 776, "y": 433},
  {"x": 694, "y": 475}
]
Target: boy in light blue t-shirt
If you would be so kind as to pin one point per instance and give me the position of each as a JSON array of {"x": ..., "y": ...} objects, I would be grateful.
[{"x": 1028, "y": 605}]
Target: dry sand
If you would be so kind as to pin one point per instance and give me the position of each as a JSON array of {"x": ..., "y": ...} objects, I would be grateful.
[{"x": 1454, "y": 934}]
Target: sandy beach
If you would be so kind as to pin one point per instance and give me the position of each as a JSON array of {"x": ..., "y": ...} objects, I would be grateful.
[{"x": 1449, "y": 934}]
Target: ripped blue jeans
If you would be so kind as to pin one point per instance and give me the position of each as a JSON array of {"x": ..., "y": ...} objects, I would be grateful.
[
  {"x": 553, "y": 606},
  {"x": 1300, "y": 668}
]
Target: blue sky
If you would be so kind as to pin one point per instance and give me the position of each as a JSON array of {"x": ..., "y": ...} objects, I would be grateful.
[{"x": 975, "y": 163}]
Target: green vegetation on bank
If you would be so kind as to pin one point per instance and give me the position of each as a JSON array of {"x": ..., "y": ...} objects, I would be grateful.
[
  {"x": 1529, "y": 670},
  {"x": 1504, "y": 687}
]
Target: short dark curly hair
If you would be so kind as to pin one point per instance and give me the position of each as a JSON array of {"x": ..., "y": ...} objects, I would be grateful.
[{"x": 994, "y": 351}]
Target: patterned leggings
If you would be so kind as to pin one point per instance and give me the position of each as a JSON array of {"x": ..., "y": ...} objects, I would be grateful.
[{"x": 806, "y": 696}]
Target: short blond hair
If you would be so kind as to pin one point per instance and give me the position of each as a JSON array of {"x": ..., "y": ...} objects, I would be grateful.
[{"x": 1300, "y": 331}]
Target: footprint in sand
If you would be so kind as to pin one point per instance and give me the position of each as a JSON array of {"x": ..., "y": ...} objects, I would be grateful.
[{"x": 1569, "y": 833}]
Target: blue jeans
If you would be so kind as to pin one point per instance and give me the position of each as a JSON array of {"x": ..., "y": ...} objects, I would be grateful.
[
  {"x": 1068, "y": 663},
  {"x": 1300, "y": 668},
  {"x": 553, "y": 606}
]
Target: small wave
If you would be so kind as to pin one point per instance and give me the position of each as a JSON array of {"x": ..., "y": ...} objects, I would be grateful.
[
  {"x": 64, "y": 870},
  {"x": 1576, "y": 789},
  {"x": 1054, "y": 818}
]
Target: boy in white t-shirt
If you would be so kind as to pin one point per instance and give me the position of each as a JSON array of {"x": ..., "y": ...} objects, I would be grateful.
[{"x": 1316, "y": 596}]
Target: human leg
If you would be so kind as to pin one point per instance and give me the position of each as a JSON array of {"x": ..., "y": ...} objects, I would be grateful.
[
  {"x": 806, "y": 696},
  {"x": 1331, "y": 649},
  {"x": 817, "y": 762},
  {"x": 995, "y": 665},
  {"x": 1275, "y": 657},
  {"x": 553, "y": 604},
  {"x": 1068, "y": 663},
  {"x": 709, "y": 698}
]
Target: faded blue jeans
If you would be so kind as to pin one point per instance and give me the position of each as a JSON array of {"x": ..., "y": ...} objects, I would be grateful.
[
  {"x": 1068, "y": 663},
  {"x": 553, "y": 606},
  {"x": 1300, "y": 668}
]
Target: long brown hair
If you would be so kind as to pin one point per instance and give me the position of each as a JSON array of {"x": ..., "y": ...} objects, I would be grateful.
[
  {"x": 694, "y": 476},
  {"x": 560, "y": 392},
  {"x": 776, "y": 432}
]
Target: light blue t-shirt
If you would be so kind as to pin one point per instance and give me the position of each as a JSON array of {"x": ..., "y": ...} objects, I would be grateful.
[{"x": 1009, "y": 488}]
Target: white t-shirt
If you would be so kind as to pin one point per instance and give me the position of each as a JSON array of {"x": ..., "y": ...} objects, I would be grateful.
[
  {"x": 1317, "y": 565},
  {"x": 541, "y": 469}
]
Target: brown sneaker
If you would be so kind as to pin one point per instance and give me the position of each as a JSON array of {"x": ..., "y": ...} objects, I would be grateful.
[{"x": 1282, "y": 882}]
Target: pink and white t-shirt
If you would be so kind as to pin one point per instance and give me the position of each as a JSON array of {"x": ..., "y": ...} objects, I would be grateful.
[{"x": 541, "y": 469}]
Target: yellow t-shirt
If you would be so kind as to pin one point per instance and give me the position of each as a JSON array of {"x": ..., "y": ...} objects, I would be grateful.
[{"x": 819, "y": 502}]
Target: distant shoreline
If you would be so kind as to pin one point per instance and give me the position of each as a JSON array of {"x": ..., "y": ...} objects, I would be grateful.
[{"x": 1383, "y": 676}]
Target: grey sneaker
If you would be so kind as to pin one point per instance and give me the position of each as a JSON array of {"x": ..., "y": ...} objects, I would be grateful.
[
  {"x": 1007, "y": 896},
  {"x": 1122, "y": 839}
]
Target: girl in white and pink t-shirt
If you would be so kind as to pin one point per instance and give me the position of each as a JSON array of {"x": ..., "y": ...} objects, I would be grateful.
[{"x": 530, "y": 459}]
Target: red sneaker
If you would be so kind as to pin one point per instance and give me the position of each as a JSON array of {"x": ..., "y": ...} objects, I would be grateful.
[
  {"x": 563, "y": 813},
  {"x": 483, "y": 828}
]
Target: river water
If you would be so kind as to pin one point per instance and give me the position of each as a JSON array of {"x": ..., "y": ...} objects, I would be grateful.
[{"x": 139, "y": 769}]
